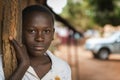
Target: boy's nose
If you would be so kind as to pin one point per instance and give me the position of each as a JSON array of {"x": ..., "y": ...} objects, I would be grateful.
[{"x": 39, "y": 37}]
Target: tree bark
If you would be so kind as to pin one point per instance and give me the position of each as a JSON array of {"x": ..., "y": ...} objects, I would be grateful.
[
  {"x": 11, "y": 23},
  {"x": 1, "y": 9}
]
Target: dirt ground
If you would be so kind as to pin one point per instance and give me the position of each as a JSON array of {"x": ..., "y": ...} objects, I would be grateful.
[{"x": 85, "y": 67}]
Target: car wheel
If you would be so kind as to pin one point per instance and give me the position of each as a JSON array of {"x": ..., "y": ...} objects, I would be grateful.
[{"x": 103, "y": 54}]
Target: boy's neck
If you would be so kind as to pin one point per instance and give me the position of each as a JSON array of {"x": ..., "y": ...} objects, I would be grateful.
[{"x": 40, "y": 60}]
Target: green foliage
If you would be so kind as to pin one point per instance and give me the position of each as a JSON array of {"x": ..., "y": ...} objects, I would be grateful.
[
  {"x": 87, "y": 13},
  {"x": 105, "y": 11},
  {"x": 102, "y": 5},
  {"x": 76, "y": 14}
]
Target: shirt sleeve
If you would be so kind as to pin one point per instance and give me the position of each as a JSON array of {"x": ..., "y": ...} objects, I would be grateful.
[{"x": 66, "y": 74}]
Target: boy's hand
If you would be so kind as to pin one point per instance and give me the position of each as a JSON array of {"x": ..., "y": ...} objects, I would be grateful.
[
  {"x": 21, "y": 53},
  {"x": 22, "y": 58}
]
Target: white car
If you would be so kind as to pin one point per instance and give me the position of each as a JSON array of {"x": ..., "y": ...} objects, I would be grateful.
[{"x": 103, "y": 47}]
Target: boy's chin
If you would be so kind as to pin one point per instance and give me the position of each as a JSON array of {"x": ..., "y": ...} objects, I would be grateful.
[{"x": 37, "y": 53}]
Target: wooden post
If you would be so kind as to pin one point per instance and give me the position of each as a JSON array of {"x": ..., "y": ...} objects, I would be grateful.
[
  {"x": 1, "y": 7},
  {"x": 11, "y": 25}
]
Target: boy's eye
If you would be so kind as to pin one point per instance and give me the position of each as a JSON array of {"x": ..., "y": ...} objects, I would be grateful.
[
  {"x": 46, "y": 31},
  {"x": 32, "y": 31}
]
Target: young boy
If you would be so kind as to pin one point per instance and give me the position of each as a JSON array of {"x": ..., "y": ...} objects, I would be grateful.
[{"x": 35, "y": 62}]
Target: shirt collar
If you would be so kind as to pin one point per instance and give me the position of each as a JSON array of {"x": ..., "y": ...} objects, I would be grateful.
[{"x": 51, "y": 71}]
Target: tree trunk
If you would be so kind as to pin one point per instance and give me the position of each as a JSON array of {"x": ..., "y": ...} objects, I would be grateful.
[
  {"x": 10, "y": 25},
  {"x": 1, "y": 7}
]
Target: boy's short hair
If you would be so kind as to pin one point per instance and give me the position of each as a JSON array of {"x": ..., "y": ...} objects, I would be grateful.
[{"x": 39, "y": 8}]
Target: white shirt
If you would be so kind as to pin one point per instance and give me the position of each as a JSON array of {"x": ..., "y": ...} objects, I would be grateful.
[
  {"x": 60, "y": 70},
  {"x": 1, "y": 69}
]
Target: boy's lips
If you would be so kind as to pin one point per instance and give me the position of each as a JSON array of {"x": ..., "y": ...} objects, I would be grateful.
[{"x": 39, "y": 48}]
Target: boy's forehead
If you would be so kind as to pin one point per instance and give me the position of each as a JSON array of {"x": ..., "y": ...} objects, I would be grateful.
[
  {"x": 38, "y": 16},
  {"x": 36, "y": 13}
]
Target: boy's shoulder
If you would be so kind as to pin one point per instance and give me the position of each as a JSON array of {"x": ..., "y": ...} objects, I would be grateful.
[{"x": 58, "y": 63}]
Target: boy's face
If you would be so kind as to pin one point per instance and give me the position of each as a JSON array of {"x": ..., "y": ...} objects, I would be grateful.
[{"x": 38, "y": 32}]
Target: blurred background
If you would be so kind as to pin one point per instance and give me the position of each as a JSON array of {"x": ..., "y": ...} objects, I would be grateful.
[{"x": 87, "y": 37}]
